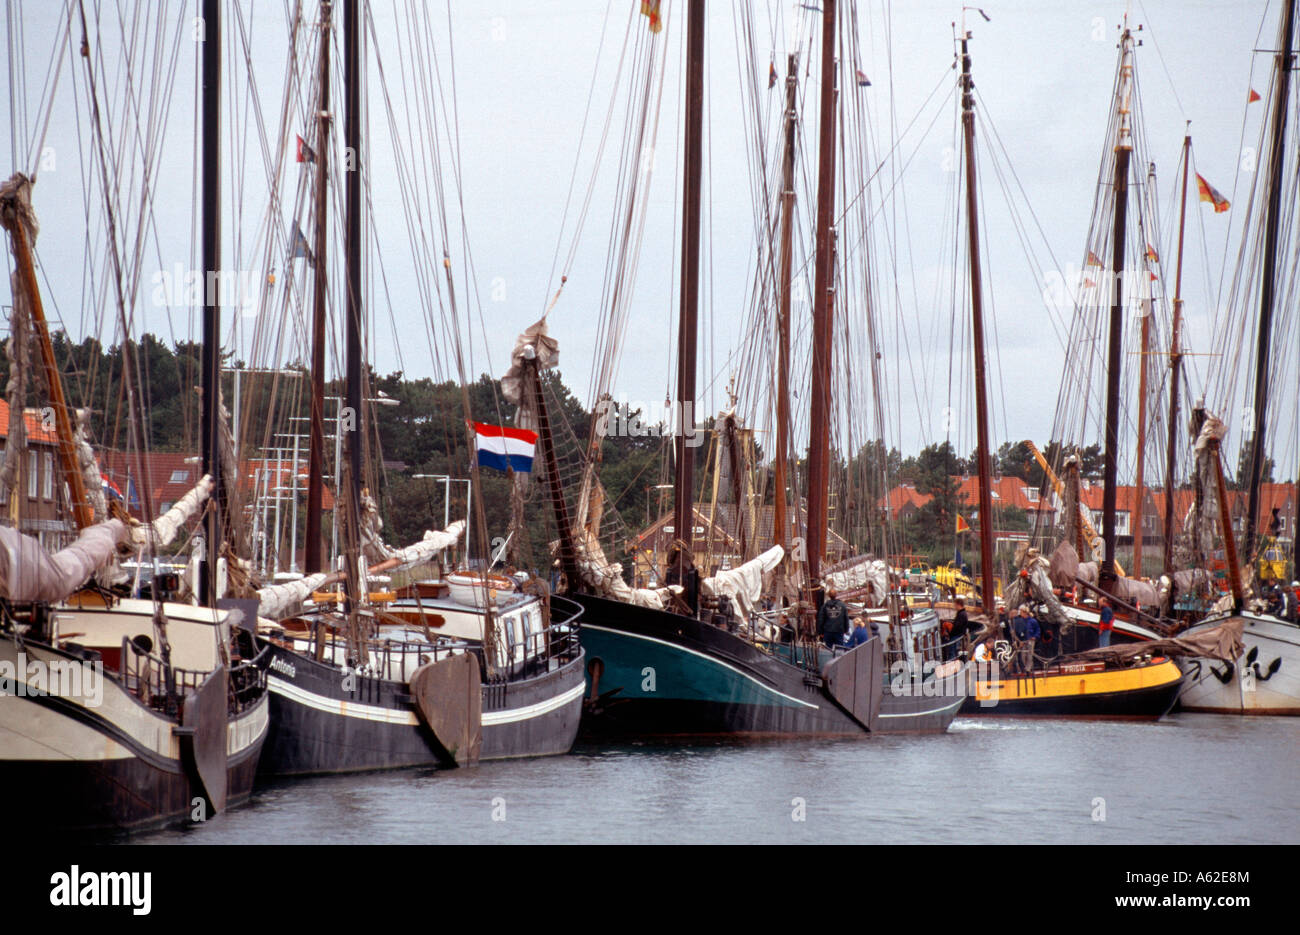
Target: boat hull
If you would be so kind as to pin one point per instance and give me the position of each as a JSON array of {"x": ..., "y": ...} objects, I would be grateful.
[
  {"x": 109, "y": 763},
  {"x": 653, "y": 674},
  {"x": 1142, "y": 692},
  {"x": 322, "y": 724},
  {"x": 1264, "y": 681}
]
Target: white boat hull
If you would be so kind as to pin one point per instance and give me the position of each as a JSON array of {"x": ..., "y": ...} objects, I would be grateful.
[{"x": 1265, "y": 680}]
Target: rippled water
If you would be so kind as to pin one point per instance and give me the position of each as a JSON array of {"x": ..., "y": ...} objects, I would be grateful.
[{"x": 1185, "y": 779}]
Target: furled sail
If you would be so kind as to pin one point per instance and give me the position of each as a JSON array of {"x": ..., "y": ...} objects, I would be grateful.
[
  {"x": 744, "y": 584},
  {"x": 88, "y": 465},
  {"x": 29, "y": 573},
  {"x": 859, "y": 573},
  {"x": 377, "y": 551},
  {"x": 1221, "y": 643},
  {"x": 606, "y": 579},
  {"x": 163, "y": 530},
  {"x": 547, "y": 351},
  {"x": 275, "y": 600},
  {"x": 16, "y": 349}
]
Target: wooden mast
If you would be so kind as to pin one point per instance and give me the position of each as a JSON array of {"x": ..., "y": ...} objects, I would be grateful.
[
  {"x": 1123, "y": 152},
  {"x": 1136, "y": 514},
  {"x": 987, "y": 585},
  {"x": 211, "y": 353},
  {"x": 1175, "y": 367},
  {"x": 684, "y": 474},
  {"x": 823, "y": 308},
  {"x": 312, "y": 560},
  {"x": 81, "y": 509},
  {"x": 1268, "y": 285},
  {"x": 350, "y": 421},
  {"x": 780, "y": 523}
]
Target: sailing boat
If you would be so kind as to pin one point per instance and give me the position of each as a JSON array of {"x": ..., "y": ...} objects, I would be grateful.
[
  {"x": 356, "y": 688},
  {"x": 1142, "y": 683},
  {"x": 658, "y": 665},
  {"x": 1264, "y": 677},
  {"x": 120, "y": 735}
]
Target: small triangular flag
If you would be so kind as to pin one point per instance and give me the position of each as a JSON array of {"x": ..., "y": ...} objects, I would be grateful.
[{"x": 1254, "y": 96}]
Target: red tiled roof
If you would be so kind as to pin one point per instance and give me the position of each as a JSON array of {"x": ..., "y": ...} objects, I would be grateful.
[{"x": 32, "y": 422}]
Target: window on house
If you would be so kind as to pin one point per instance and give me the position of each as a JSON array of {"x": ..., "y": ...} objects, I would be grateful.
[
  {"x": 33, "y": 469},
  {"x": 47, "y": 480},
  {"x": 1031, "y": 494},
  {"x": 179, "y": 477}
]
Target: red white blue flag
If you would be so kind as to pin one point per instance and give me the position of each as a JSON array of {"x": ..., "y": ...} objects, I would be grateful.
[{"x": 505, "y": 448}]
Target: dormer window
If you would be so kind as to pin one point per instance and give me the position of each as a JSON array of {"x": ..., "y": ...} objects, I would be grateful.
[{"x": 179, "y": 477}]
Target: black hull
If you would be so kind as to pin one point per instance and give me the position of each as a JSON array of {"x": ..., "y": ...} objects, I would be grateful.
[
  {"x": 129, "y": 794},
  {"x": 318, "y": 727},
  {"x": 116, "y": 764},
  {"x": 708, "y": 682},
  {"x": 921, "y": 714}
]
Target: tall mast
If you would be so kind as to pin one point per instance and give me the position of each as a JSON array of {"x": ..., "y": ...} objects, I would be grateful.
[
  {"x": 313, "y": 561},
  {"x": 211, "y": 369},
  {"x": 352, "y": 421},
  {"x": 977, "y": 326},
  {"x": 819, "y": 440},
  {"x": 684, "y": 476},
  {"x": 1268, "y": 285},
  {"x": 1136, "y": 513},
  {"x": 1175, "y": 366},
  {"x": 1123, "y": 151},
  {"x": 780, "y": 523}
]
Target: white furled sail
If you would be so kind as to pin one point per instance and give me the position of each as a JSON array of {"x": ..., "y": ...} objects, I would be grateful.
[
  {"x": 163, "y": 530},
  {"x": 744, "y": 584},
  {"x": 606, "y": 578},
  {"x": 275, "y": 600},
  {"x": 378, "y": 552},
  {"x": 29, "y": 573},
  {"x": 856, "y": 574},
  {"x": 428, "y": 547}
]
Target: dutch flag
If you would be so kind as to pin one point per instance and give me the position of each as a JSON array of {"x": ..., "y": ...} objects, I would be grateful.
[
  {"x": 505, "y": 448},
  {"x": 111, "y": 490}
]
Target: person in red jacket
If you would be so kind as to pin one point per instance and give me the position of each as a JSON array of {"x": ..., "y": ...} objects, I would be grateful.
[{"x": 1106, "y": 624}]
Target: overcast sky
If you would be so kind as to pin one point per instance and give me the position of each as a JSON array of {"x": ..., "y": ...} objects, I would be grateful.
[{"x": 526, "y": 75}]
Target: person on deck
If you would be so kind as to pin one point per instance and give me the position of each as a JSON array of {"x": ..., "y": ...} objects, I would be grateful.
[
  {"x": 1106, "y": 624},
  {"x": 860, "y": 632},
  {"x": 1027, "y": 630},
  {"x": 961, "y": 626},
  {"x": 832, "y": 620}
]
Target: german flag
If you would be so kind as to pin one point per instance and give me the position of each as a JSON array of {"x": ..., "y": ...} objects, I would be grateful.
[{"x": 1209, "y": 193}]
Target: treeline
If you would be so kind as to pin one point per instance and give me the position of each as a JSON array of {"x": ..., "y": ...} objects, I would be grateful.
[{"x": 425, "y": 434}]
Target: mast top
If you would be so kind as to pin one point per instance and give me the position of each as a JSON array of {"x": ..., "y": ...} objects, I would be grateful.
[{"x": 1124, "y": 139}]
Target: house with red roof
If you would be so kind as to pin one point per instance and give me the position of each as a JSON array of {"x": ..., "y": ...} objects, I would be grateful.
[{"x": 43, "y": 498}]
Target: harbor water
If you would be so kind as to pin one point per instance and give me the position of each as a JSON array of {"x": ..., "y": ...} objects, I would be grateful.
[{"x": 1187, "y": 779}]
